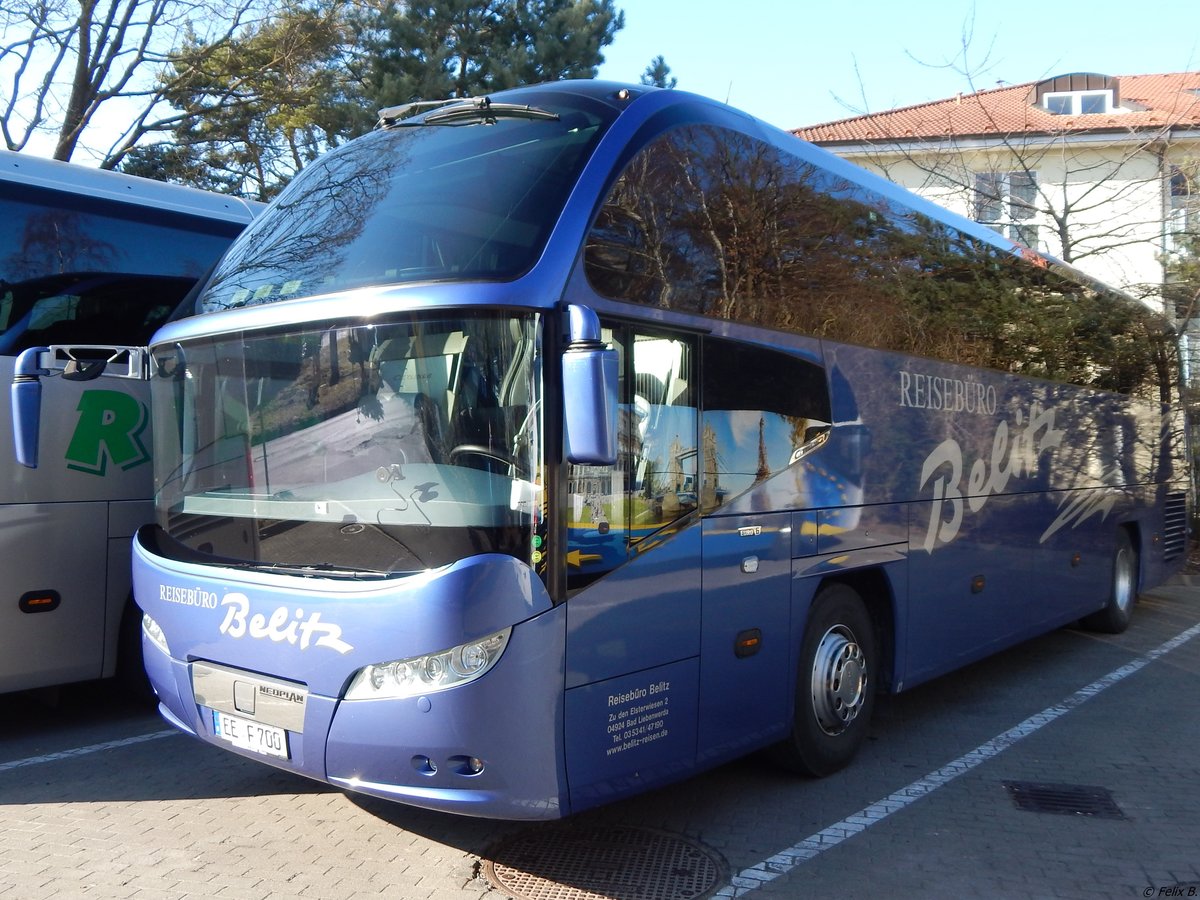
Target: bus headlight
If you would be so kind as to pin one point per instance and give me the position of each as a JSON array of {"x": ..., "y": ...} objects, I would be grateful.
[
  {"x": 426, "y": 674},
  {"x": 152, "y": 631}
]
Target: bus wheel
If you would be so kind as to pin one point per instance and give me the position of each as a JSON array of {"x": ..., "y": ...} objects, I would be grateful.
[
  {"x": 1114, "y": 617},
  {"x": 835, "y": 687}
]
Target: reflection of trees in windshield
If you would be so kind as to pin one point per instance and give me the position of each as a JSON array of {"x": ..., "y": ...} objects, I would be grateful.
[
  {"x": 307, "y": 231},
  {"x": 713, "y": 222},
  {"x": 411, "y": 203}
]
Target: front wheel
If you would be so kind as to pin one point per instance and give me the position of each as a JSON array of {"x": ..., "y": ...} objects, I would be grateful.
[
  {"x": 835, "y": 686},
  {"x": 1114, "y": 617}
]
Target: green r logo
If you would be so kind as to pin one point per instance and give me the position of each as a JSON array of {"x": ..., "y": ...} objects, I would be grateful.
[{"x": 110, "y": 427}]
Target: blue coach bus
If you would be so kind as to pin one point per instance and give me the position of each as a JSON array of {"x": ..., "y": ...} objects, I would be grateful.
[{"x": 537, "y": 449}]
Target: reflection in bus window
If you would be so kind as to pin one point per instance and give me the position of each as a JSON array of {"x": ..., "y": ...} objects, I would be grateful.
[
  {"x": 763, "y": 411},
  {"x": 614, "y": 510},
  {"x": 721, "y": 224}
]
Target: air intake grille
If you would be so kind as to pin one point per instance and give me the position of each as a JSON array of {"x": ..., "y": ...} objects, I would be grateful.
[{"x": 1175, "y": 526}]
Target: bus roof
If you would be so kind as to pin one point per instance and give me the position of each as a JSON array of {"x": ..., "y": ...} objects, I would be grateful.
[{"x": 52, "y": 174}]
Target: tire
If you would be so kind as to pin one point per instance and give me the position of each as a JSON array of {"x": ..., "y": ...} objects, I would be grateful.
[
  {"x": 1114, "y": 617},
  {"x": 835, "y": 685}
]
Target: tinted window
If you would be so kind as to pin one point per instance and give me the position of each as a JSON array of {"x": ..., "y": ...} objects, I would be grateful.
[
  {"x": 414, "y": 202},
  {"x": 761, "y": 409},
  {"x": 709, "y": 221},
  {"x": 49, "y": 233},
  {"x": 79, "y": 270}
]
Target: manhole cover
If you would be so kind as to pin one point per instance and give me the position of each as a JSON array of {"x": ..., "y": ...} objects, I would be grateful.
[
  {"x": 1064, "y": 799},
  {"x": 603, "y": 862}
]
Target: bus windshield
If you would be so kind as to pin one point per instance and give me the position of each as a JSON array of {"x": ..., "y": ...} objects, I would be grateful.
[
  {"x": 415, "y": 202},
  {"x": 362, "y": 450}
]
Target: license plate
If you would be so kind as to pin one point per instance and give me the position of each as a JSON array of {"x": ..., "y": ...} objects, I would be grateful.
[{"x": 249, "y": 735}]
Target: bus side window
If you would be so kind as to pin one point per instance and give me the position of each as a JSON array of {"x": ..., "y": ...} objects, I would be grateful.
[{"x": 763, "y": 408}]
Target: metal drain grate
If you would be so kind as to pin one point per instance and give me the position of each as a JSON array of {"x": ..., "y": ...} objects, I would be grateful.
[
  {"x": 603, "y": 862},
  {"x": 1064, "y": 799}
]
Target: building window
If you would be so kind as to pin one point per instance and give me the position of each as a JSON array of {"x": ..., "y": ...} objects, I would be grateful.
[
  {"x": 1006, "y": 202},
  {"x": 1078, "y": 103},
  {"x": 1183, "y": 226}
]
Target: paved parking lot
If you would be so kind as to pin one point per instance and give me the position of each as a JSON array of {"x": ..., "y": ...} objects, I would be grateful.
[{"x": 99, "y": 799}]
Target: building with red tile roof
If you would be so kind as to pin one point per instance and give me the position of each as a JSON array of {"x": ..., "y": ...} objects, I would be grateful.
[
  {"x": 1134, "y": 104},
  {"x": 1098, "y": 170}
]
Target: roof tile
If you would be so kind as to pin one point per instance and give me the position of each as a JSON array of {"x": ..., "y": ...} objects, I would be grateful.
[{"x": 1151, "y": 101}]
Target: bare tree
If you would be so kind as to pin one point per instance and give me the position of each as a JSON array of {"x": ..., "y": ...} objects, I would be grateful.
[
  {"x": 65, "y": 62},
  {"x": 1041, "y": 187},
  {"x": 1086, "y": 190}
]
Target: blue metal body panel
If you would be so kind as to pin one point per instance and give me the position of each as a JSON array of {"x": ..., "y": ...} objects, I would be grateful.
[
  {"x": 379, "y": 747},
  {"x": 645, "y": 614},
  {"x": 629, "y": 733},
  {"x": 329, "y": 630}
]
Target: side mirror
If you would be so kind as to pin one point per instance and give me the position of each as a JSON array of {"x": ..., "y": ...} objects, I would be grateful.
[
  {"x": 589, "y": 392},
  {"x": 75, "y": 362},
  {"x": 26, "y": 395}
]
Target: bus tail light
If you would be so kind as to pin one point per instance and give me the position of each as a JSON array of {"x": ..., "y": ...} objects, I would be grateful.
[{"x": 439, "y": 671}]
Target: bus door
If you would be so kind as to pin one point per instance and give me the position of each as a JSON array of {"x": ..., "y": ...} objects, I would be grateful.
[
  {"x": 633, "y": 581},
  {"x": 745, "y": 640}
]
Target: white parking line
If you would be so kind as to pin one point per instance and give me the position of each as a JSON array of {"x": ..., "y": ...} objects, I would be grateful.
[
  {"x": 84, "y": 751},
  {"x": 754, "y": 877}
]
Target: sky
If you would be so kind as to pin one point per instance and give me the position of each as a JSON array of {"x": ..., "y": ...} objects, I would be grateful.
[{"x": 796, "y": 63}]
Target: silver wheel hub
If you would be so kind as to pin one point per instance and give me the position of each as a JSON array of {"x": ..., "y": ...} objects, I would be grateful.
[
  {"x": 839, "y": 680},
  {"x": 1123, "y": 580}
]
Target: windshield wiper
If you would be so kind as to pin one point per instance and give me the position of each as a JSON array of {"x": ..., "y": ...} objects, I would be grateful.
[
  {"x": 311, "y": 570},
  {"x": 448, "y": 112}
]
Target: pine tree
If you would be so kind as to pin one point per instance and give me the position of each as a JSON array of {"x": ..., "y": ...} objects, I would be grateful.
[
  {"x": 657, "y": 73},
  {"x": 462, "y": 48}
]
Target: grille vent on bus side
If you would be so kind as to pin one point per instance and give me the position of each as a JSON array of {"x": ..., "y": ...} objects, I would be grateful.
[{"x": 1174, "y": 526}]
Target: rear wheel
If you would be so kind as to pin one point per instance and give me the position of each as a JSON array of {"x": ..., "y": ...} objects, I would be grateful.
[
  {"x": 1114, "y": 617},
  {"x": 835, "y": 686}
]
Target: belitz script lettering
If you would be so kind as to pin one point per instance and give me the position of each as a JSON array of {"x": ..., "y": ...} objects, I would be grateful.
[
  {"x": 282, "y": 626},
  {"x": 949, "y": 395},
  {"x": 1014, "y": 454}
]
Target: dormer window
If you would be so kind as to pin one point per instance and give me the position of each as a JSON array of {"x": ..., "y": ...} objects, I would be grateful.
[
  {"x": 1078, "y": 94},
  {"x": 1078, "y": 103}
]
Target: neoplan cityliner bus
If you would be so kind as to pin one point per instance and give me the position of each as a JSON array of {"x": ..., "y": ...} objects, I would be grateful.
[
  {"x": 537, "y": 449},
  {"x": 91, "y": 263}
]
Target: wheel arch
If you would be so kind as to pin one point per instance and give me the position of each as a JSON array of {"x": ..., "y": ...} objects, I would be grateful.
[{"x": 874, "y": 587}]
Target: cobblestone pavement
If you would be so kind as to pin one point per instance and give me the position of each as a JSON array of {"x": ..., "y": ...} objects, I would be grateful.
[{"x": 99, "y": 799}]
